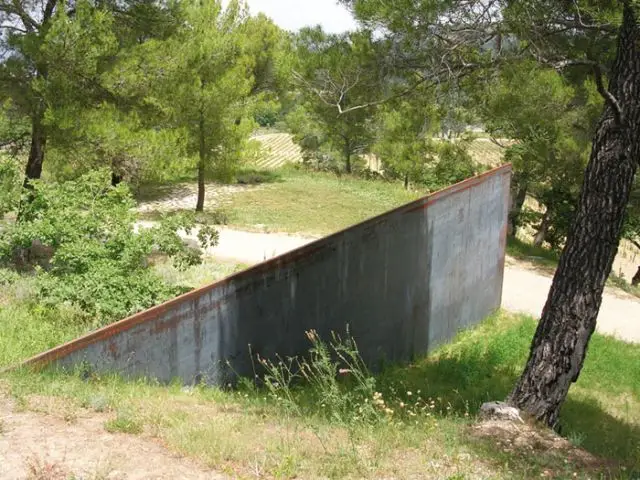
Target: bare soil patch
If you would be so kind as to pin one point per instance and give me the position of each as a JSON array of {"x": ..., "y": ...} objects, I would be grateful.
[{"x": 46, "y": 447}]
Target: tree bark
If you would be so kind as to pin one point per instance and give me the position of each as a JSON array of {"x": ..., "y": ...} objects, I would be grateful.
[
  {"x": 541, "y": 235},
  {"x": 201, "y": 166},
  {"x": 37, "y": 151},
  {"x": 406, "y": 181},
  {"x": 569, "y": 317},
  {"x": 517, "y": 202},
  {"x": 116, "y": 179},
  {"x": 347, "y": 156},
  {"x": 635, "y": 281}
]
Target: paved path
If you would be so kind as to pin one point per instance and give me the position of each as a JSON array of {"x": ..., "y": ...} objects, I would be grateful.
[{"x": 525, "y": 288}]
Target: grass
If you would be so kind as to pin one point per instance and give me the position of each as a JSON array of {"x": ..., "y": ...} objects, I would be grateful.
[
  {"x": 305, "y": 431},
  {"x": 622, "y": 283},
  {"x": 527, "y": 252},
  {"x": 124, "y": 422},
  {"x": 210, "y": 271},
  {"x": 298, "y": 201},
  {"x": 315, "y": 203},
  {"x": 27, "y": 329}
]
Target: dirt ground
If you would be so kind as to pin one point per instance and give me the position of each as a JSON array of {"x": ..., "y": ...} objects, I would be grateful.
[{"x": 35, "y": 446}]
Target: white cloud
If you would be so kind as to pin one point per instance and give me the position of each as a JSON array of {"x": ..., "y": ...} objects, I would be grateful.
[{"x": 295, "y": 14}]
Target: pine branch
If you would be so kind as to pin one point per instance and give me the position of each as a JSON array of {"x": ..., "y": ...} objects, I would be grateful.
[{"x": 611, "y": 100}]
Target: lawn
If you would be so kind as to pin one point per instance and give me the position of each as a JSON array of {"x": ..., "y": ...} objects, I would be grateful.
[
  {"x": 315, "y": 203},
  {"x": 415, "y": 421},
  {"x": 296, "y": 201}
]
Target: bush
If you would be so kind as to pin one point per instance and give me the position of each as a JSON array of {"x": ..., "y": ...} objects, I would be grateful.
[
  {"x": 8, "y": 277},
  {"x": 454, "y": 165},
  {"x": 335, "y": 383},
  {"x": 218, "y": 217},
  {"x": 10, "y": 179},
  {"x": 80, "y": 238}
]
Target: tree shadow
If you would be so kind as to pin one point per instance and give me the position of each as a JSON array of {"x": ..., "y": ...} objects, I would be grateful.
[
  {"x": 458, "y": 382},
  {"x": 158, "y": 192},
  {"x": 258, "y": 176}
]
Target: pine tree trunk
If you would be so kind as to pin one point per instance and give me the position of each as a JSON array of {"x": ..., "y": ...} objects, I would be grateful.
[
  {"x": 406, "y": 181},
  {"x": 201, "y": 166},
  {"x": 36, "y": 153},
  {"x": 517, "y": 202},
  {"x": 635, "y": 281},
  {"x": 347, "y": 156},
  {"x": 116, "y": 179},
  {"x": 541, "y": 235},
  {"x": 569, "y": 316},
  {"x": 348, "y": 161}
]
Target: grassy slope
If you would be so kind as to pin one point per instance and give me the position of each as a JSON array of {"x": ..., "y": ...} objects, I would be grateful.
[
  {"x": 27, "y": 329},
  {"x": 316, "y": 203},
  {"x": 248, "y": 430},
  {"x": 298, "y": 201}
]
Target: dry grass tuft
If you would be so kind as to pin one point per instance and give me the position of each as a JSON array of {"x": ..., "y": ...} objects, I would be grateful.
[{"x": 43, "y": 469}]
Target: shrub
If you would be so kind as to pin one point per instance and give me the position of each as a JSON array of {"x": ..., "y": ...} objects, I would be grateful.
[
  {"x": 89, "y": 254},
  {"x": 335, "y": 381},
  {"x": 10, "y": 178}
]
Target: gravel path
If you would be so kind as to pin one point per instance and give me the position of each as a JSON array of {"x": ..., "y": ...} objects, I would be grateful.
[{"x": 525, "y": 288}]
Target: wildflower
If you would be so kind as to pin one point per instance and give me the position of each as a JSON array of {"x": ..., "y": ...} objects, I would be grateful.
[
  {"x": 410, "y": 393},
  {"x": 402, "y": 405},
  {"x": 344, "y": 371},
  {"x": 388, "y": 411}
]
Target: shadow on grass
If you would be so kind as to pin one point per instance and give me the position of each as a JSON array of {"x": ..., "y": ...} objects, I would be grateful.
[
  {"x": 180, "y": 186},
  {"x": 258, "y": 177},
  {"x": 527, "y": 252},
  {"x": 154, "y": 192},
  {"x": 587, "y": 424},
  {"x": 484, "y": 364}
]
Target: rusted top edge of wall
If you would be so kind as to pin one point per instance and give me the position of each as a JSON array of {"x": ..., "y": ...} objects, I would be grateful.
[{"x": 278, "y": 262}]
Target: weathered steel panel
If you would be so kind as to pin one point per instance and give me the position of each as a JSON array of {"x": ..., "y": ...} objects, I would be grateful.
[{"x": 404, "y": 283}]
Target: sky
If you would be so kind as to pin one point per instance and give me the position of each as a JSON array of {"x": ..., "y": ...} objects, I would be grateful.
[{"x": 295, "y": 14}]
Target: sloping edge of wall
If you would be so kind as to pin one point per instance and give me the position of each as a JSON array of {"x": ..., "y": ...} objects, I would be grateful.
[{"x": 66, "y": 349}]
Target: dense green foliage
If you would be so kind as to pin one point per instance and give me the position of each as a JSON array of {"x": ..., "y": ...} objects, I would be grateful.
[
  {"x": 79, "y": 239},
  {"x": 335, "y": 75},
  {"x": 552, "y": 120}
]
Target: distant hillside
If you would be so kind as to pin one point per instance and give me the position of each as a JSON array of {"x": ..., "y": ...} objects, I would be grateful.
[{"x": 280, "y": 149}]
